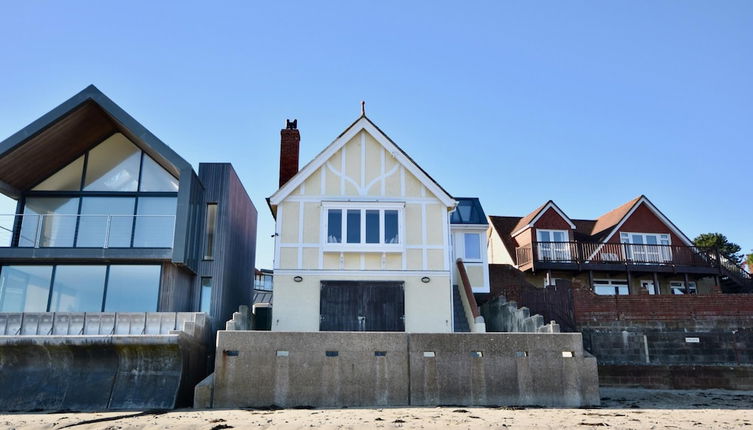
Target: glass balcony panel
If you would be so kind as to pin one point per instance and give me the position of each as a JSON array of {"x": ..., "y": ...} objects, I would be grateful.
[
  {"x": 105, "y": 222},
  {"x": 155, "y": 222},
  {"x": 49, "y": 222}
]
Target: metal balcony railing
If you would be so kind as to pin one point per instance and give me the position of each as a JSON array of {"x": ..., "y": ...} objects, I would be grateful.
[
  {"x": 620, "y": 253},
  {"x": 86, "y": 231}
]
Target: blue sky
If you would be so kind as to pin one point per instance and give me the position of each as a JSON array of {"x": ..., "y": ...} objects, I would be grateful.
[{"x": 586, "y": 103}]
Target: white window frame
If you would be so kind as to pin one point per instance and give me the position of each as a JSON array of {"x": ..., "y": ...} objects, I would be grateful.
[
  {"x": 363, "y": 246},
  {"x": 480, "y": 250},
  {"x": 615, "y": 283},
  {"x": 643, "y": 252},
  {"x": 678, "y": 287},
  {"x": 653, "y": 290},
  {"x": 548, "y": 251}
]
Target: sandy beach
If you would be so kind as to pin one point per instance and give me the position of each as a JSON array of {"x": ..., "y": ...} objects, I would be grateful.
[{"x": 621, "y": 408}]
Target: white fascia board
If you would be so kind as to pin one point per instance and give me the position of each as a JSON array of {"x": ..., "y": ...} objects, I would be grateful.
[
  {"x": 482, "y": 227},
  {"x": 658, "y": 214},
  {"x": 362, "y": 124},
  {"x": 543, "y": 210}
]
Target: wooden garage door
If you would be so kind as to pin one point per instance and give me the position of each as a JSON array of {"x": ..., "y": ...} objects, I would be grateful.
[{"x": 362, "y": 306}]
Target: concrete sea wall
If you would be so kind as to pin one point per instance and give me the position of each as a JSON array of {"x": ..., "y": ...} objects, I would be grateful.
[
  {"x": 96, "y": 371},
  {"x": 255, "y": 369}
]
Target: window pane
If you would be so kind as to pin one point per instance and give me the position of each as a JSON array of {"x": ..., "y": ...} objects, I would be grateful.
[
  {"x": 66, "y": 179},
  {"x": 544, "y": 236},
  {"x": 651, "y": 239},
  {"x": 206, "y": 295},
  {"x": 604, "y": 290},
  {"x": 354, "y": 226},
  {"x": 54, "y": 218},
  {"x": 78, "y": 289},
  {"x": 24, "y": 288},
  {"x": 113, "y": 165},
  {"x": 211, "y": 230},
  {"x": 372, "y": 226},
  {"x": 472, "y": 246},
  {"x": 334, "y": 225},
  {"x": 93, "y": 228},
  {"x": 559, "y": 236},
  {"x": 156, "y": 178},
  {"x": 155, "y": 223},
  {"x": 132, "y": 288},
  {"x": 390, "y": 227},
  {"x": 638, "y": 238}
]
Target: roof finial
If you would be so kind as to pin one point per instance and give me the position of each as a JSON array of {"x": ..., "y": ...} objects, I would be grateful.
[{"x": 363, "y": 108}]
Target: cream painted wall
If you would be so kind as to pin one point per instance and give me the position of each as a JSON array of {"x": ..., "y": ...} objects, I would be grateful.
[
  {"x": 371, "y": 173},
  {"x": 477, "y": 270},
  {"x": 497, "y": 252},
  {"x": 427, "y": 306}
]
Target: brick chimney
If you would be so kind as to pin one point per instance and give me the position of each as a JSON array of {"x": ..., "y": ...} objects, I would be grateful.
[{"x": 290, "y": 141}]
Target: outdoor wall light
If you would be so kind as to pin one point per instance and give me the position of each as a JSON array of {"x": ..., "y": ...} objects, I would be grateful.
[
  {"x": 297, "y": 278},
  {"x": 426, "y": 279}
]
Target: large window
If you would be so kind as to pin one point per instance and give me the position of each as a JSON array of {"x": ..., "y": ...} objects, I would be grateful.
[
  {"x": 647, "y": 247},
  {"x": 206, "y": 295},
  {"x": 211, "y": 231},
  {"x": 79, "y": 288},
  {"x": 611, "y": 287},
  {"x": 472, "y": 244},
  {"x": 553, "y": 245},
  {"x": 114, "y": 196},
  {"x": 24, "y": 288},
  {"x": 678, "y": 287},
  {"x": 362, "y": 227}
]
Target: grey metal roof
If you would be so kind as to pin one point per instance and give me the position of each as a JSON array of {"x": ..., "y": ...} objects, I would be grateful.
[{"x": 468, "y": 211}]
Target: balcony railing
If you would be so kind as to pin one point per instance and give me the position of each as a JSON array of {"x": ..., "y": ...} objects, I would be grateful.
[
  {"x": 86, "y": 231},
  {"x": 616, "y": 253}
]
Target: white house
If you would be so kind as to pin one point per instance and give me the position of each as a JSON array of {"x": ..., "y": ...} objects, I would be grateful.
[{"x": 364, "y": 239}]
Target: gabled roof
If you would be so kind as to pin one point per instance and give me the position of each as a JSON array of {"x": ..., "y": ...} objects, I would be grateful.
[
  {"x": 606, "y": 223},
  {"x": 612, "y": 221},
  {"x": 362, "y": 123},
  {"x": 504, "y": 226},
  {"x": 599, "y": 230},
  {"x": 530, "y": 219},
  {"x": 468, "y": 211},
  {"x": 61, "y": 135}
]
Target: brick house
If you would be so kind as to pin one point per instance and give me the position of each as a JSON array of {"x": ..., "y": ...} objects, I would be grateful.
[{"x": 633, "y": 249}]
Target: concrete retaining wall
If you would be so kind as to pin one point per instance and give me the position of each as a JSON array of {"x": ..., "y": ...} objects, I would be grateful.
[
  {"x": 96, "y": 371},
  {"x": 677, "y": 377},
  {"x": 256, "y": 369}
]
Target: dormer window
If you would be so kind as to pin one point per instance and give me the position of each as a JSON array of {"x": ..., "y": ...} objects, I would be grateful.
[{"x": 363, "y": 227}]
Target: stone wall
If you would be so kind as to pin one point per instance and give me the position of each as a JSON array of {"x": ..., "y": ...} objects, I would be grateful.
[{"x": 256, "y": 369}]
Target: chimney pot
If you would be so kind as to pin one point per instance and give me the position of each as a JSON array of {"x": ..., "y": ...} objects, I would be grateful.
[{"x": 290, "y": 140}]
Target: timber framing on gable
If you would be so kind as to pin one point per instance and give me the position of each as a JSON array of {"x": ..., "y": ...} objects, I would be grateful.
[{"x": 362, "y": 124}]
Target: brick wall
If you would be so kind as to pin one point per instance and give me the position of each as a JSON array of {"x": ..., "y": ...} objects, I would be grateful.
[{"x": 595, "y": 310}]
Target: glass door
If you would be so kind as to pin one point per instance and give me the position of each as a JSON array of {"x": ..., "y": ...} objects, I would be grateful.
[{"x": 553, "y": 245}]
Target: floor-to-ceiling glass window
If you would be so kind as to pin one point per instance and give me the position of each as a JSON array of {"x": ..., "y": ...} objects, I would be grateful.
[
  {"x": 114, "y": 196},
  {"x": 132, "y": 288},
  {"x": 24, "y": 288},
  {"x": 80, "y": 288}
]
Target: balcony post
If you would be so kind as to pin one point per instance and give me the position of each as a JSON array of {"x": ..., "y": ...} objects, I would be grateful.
[
  {"x": 17, "y": 220},
  {"x": 107, "y": 231},
  {"x": 656, "y": 284},
  {"x": 687, "y": 287},
  {"x": 38, "y": 235}
]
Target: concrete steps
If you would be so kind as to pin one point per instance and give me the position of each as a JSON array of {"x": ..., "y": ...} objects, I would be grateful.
[{"x": 461, "y": 322}]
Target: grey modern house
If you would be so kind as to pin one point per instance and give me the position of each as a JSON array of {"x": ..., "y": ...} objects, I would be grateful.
[{"x": 111, "y": 219}]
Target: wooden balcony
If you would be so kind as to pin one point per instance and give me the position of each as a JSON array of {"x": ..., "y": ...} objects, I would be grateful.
[{"x": 617, "y": 256}]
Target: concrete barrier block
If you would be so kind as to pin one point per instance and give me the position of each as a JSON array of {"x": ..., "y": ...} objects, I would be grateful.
[
  {"x": 13, "y": 324},
  {"x": 46, "y": 320},
  {"x": 255, "y": 368},
  {"x": 30, "y": 323},
  {"x": 202, "y": 397}
]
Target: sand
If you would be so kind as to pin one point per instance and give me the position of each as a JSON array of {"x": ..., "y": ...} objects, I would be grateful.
[{"x": 621, "y": 408}]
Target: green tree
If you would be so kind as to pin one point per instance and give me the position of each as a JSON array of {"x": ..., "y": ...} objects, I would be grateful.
[
  {"x": 749, "y": 260},
  {"x": 720, "y": 242}
]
